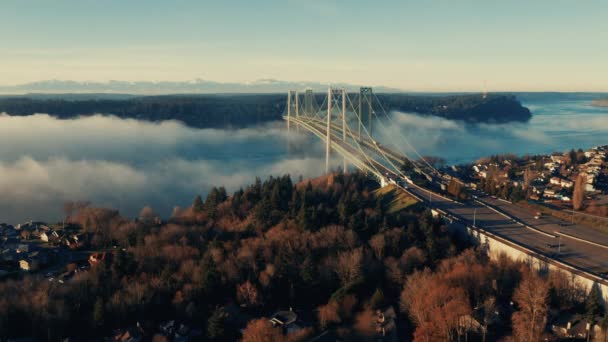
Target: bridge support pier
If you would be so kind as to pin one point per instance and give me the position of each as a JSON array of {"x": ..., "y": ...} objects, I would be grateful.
[
  {"x": 288, "y": 111},
  {"x": 328, "y": 143},
  {"x": 365, "y": 108},
  {"x": 345, "y": 166},
  {"x": 297, "y": 111},
  {"x": 289, "y": 122}
]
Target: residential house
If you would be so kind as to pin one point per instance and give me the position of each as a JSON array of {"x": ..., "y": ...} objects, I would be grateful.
[
  {"x": 288, "y": 321},
  {"x": 565, "y": 183},
  {"x": 385, "y": 324},
  {"x": 549, "y": 193},
  {"x": 28, "y": 264},
  {"x": 559, "y": 159},
  {"x": 538, "y": 189},
  {"x": 49, "y": 236},
  {"x": 23, "y": 248},
  {"x": 98, "y": 258},
  {"x": 568, "y": 325}
]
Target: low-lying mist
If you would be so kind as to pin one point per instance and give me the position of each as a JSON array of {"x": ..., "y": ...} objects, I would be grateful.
[
  {"x": 127, "y": 164},
  {"x": 458, "y": 142}
]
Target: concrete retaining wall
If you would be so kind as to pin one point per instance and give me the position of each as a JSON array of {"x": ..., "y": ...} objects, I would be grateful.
[{"x": 496, "y": 245}]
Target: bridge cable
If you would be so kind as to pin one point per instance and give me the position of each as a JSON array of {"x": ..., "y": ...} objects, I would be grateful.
[
  {"x": 397, "y": 169},
  {"x": 359, "y": 147},
  {"x": 401, "y": 135}
]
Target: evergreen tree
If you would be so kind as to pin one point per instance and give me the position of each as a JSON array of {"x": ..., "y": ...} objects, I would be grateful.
[
  {"x": 211, "y": 280},
  {"x": 216, "y": 330},
  {"x": 294, "y": 204},
  {"x": 593, "y": 306},
  {"x": 197, "y": 205},
  {"x": 377, "y": 300},
  {"x": 308, "y": 273},
  {"x": 214, "y": 198},
  {"x": 99, "y": 313},
  {"x": 303, "y": 218},
  {"x": 263, "y": 213},
  {"x": 427, "y": 226},
  {"x": 276, "y": 202}
]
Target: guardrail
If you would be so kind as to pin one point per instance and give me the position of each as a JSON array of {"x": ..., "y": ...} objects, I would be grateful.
[
  {"x": 581, "y": 239},
  {"x": 516, "y": 220},
  {"x": 557, "y": 232},
  {"x": 538, "y": 255}
]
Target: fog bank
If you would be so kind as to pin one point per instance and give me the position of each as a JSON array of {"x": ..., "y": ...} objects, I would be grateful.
[{"x": 127, "y": 164}]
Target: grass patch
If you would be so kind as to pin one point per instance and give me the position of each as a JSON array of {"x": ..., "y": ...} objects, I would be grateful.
[{"x": 394, "y": 198}]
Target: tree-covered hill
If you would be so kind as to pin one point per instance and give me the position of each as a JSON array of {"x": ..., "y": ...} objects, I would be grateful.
[
  {"x": 334, "y": 253},
  {"x": 474, "y": 108}
]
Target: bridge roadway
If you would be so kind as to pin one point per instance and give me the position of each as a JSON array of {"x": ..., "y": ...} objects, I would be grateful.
[
  {"x": 508, "y": 221},
  {"x": 395, "y": 157},
  {"x": 589, "y": 257}
]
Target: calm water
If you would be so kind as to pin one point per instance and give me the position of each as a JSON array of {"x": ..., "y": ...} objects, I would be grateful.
[
  {"x": 127, "y": 164},
  {"x": 559, "y": 122}
]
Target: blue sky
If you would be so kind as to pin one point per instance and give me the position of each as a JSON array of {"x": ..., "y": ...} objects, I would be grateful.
[{"x": 412, "y": 45}]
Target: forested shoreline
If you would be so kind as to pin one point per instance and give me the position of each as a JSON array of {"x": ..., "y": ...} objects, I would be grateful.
[{"x": 242, "y": 110}]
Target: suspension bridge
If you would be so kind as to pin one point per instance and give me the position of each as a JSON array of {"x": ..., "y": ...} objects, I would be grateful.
[
  {"x": 332, "y": 121},
  {"x": 347, "y": 122}
]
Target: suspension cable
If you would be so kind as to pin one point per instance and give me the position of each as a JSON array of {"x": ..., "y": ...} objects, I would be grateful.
[
  {"x": 397, "y": 169},
  {"x": 401, "y": 135}
]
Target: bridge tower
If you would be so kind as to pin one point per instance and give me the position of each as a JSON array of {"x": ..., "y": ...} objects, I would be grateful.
[
  {"x": 328, "y": 138},
  {"x": 308, "y": 102},
  {"x": 288, "y": 111},
  {"x": 292, "y": 108},
  {"x": 297, "y": 104},
  {"x": 344, "y": 124},
  {"x": 365, "y": 108}
]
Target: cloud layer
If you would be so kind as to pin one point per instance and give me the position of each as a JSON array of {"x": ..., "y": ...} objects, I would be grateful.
[
  {"x": 127, "y": 164},
  {"x": 555, "y": 126}
]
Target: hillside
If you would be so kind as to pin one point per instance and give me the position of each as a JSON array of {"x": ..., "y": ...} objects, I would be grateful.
[
  {"x": 348, "y": 261},
  {"x": 474, "y": 108},
  {"x": 241, "y": 110}
]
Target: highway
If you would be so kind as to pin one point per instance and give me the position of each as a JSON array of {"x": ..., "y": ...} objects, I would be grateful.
[
  {"x": 549, "y": 236},
  {"x": 544, "y": 240}
]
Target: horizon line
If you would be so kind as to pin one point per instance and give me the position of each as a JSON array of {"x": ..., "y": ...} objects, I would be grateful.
[{"x": 258, "y": 83}]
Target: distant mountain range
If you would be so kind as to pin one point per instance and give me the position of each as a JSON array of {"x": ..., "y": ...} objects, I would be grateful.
[{"x": 197, "y": 86}]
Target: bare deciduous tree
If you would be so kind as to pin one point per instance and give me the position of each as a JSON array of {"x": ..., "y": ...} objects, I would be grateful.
[
  {"x": 579, "y": 192},
  {"x": 349, "y": 265},
  {"x": 261, "y": 330},
  {"x": 247, "y": 294},
  {"x": 532, "y": 298},
  {"x": 378, "y": 244}
]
